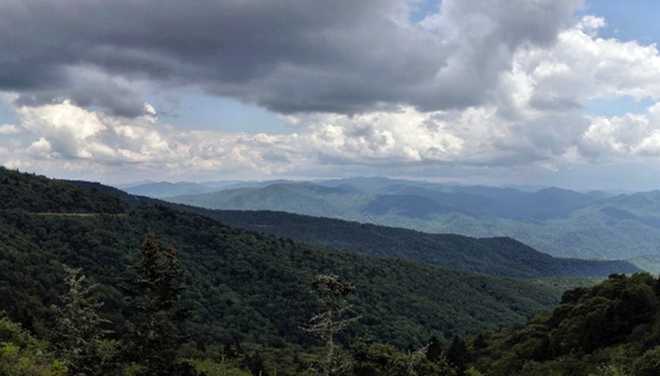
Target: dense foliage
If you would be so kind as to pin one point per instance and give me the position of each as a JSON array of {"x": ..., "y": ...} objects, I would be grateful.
[
  {"x": 610, "y": 329},
  {"x": 21, "y": 354},
  {"x": 39, "y": 194},
  {"x": 496, "y": 256},
  {"x": 208, "y": 299},
  {"x": 240, "y": 285}
]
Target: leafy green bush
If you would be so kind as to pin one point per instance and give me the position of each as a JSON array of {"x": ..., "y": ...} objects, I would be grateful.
[
  {"x": 648, "y": 364},
  {"x": 23, "y": 355}
]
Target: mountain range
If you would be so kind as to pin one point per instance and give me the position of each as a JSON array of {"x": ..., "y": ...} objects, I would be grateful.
[
  {"x": 163, "y": 189},
  {"x": 560, "y": 222}
]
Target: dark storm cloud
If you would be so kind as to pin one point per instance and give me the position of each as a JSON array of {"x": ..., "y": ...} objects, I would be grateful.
[{"x": 342, "y": 56}]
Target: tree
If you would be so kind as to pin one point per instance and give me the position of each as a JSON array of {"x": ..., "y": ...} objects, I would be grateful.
[
  {"x": 155, "y": 288},
  {"x": 434, "y": 351},
  {"x": 79, "y": 336},
  {"x": 333, "y": 319},
  {"x": 415, "y": 363},
  {"x": 457, "y": 354}
]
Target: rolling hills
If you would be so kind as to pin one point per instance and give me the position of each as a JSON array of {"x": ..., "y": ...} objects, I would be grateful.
[
  {"x": 168, "y": 189},
  {"x": 240, "y": 284},
  {"x": 562, "y": 223}
]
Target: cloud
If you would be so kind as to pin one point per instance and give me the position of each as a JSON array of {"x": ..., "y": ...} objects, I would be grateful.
[
  {"x": 79, "y": 137},
  {"x": 70, "y": 132},
  {"x": 582, "y": 66},
  {"x": 536, "y": 116},
  {"x": 286, "y": 55},
  {"x": 67, "y": 138},
  {"x": 406, "y": 137},
  {"x": 480, "y": 86},
  {"x": 41, "y": 148},
  {"x": 624, "y": 136},
  {"x": 8, "y": 129}
]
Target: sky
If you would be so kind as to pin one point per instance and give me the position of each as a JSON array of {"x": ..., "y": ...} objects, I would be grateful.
[{"x": 501, "y": 92}]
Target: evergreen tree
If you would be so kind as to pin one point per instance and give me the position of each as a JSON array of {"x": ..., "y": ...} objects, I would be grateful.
[
  {"x": 78, "y": 335},
  {"x": 457, "y": 354},
  {"x": 156, "y": 285},
  {"x": 434, "y": 351}
]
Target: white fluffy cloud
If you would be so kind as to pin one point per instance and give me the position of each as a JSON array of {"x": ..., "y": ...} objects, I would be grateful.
[
  {"x": 582, "y": 66},
  {"x": 81, "y": 137},
  {"x": 624, "y": 136},
  {"x": 579, "y": 68}
]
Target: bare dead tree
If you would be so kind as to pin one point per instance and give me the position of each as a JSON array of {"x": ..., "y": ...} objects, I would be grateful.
[{"x": 335, "y": 316}]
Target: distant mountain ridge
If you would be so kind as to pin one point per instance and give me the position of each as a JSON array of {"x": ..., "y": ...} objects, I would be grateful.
[
  {"x": 412, "y": 199},
  {"x": 560, "y": 222},
  {"x": 495, "y": 256},
  {"x": 164, "y": 189}
]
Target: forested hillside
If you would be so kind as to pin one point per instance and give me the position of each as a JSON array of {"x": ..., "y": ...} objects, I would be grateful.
[
  {"x": 559, "y": 222},
  {"x": 609, "y": 329},
  {"x": 38, "y": 194},
  {"x": 240, "y": 284},
  {"x": 497, "y": 256},
  {"x": 235, "y": 302}
]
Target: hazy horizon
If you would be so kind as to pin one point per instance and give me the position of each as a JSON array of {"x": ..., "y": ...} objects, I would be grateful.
[{"x": 523, "y": 187}]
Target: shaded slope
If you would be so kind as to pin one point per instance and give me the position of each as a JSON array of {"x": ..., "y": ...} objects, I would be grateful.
[{"x": 497, "y": 256}]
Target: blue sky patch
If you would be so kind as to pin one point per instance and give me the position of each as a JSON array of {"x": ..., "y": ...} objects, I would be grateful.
[{"x": 617, "y": 106}]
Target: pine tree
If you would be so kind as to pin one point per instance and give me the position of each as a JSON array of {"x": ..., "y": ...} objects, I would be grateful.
[
  {"x": 434, "y": 351},
  {"x": 155, "y": 289},
  {"x": 457, "y": 354},
  {"x": 79, "y": 335}
]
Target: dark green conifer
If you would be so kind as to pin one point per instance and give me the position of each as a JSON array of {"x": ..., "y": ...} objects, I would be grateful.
[
  {"x": 434, "y": 351},
  {"x": 156, "y": 286},
  {"x": 457, "y": 354}
]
